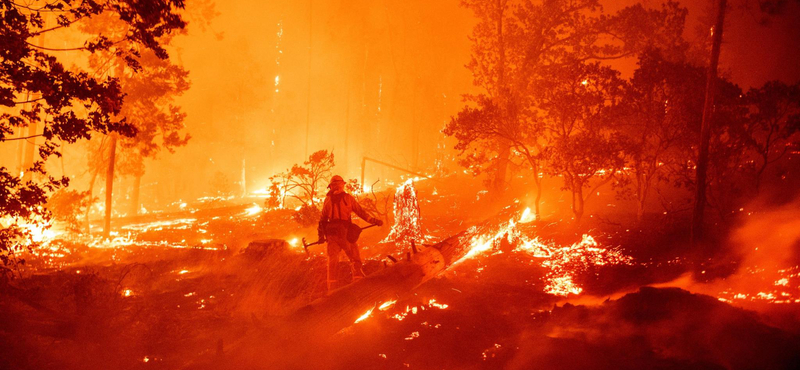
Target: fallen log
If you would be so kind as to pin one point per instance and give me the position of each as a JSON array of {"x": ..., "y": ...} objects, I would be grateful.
[{"x": 328, "y": 315}]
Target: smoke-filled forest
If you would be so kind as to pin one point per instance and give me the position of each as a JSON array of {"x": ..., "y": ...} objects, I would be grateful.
[{"x": 353, "y": 184}]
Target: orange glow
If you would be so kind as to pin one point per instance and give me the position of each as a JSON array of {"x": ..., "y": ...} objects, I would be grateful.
[{"x": 364, "y": 316}]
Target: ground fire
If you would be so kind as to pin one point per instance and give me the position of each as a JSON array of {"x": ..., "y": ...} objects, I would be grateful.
[{"x": 455, "y": 184}]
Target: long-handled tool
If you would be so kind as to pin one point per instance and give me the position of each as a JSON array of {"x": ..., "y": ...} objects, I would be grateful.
[{"x": 306, "y": 245}]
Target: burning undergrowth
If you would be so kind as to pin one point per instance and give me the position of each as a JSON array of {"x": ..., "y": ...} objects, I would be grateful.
[
  {"x": 766, "y": 251},
  {"x": 651, "y": 328},
  {"x": 159, "y": 296}
]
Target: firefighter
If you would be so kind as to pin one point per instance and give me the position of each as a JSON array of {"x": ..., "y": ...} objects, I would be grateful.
[{"x": 333, "y": 228}]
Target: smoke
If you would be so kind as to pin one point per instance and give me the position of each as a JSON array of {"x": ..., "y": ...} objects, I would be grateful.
[
  {"x": 770, "y": 238},
  {"x": 766, "y": 250}
]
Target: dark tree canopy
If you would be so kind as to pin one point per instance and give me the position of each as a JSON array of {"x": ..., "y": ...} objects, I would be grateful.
[{"x": 65, "y": 105}]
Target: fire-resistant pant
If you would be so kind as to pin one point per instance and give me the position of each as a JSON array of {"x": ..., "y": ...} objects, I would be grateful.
[{"x": 336, "y": 235}]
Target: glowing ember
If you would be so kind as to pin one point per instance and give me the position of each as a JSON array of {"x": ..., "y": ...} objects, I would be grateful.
[
  {"x": 414, "y": 309},
  {"x": 763, "y": 285},
  {"x": 364, "y": 316},
  {"x": 386, "y": 305},
  {"x": 177, "y": 224},
  {"x": 432, "y": 303},
  {"x": 490, "y": 352},
  {"x": 254, "y": 210},
  {"x": 563, "y": 263}
]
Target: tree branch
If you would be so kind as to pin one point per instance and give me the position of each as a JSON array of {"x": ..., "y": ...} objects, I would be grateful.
[
  {"x": 53, "y": 49},
  {"x": 22, "y": 138}
]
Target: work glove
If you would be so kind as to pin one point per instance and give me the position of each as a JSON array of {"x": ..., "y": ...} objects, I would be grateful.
[{"x": 377, "y": 222}]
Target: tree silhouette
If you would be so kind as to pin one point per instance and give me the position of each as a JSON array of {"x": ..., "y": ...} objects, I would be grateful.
[
  {"x": 662, "y": 101},
  {"x": 517, "y": 46},
  {"x": 67, "y": 105}
]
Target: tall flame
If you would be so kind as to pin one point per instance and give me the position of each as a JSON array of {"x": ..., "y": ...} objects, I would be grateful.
[{"x": 406, "y": 216}]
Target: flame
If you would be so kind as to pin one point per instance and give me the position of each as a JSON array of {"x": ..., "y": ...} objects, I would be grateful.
[
  {"x": 400, "y": 316},
  {"x": 527, "y": 216},
  {"x": 255, "y": 209},
  {"x": 386, "y": 305},
  {"x": 364, "y": 316},
  {"x": 563, "y": 263},
  {"x": 413, "y": 335},
  {"x": 432, "y": 303},
  {"x": 761, "y": 285},
  {"x": 406, "y": 226}
]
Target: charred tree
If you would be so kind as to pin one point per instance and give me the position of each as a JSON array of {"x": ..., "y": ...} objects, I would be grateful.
[
  {"x": 137, "y": 185},
  {"x": 705, "y": 130},
  {"x": 112, "y": 152}
]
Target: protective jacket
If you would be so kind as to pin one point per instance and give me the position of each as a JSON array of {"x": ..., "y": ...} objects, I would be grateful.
[
  {"x": 333, "y": 226},
  {"x": 338, "y": 208}
]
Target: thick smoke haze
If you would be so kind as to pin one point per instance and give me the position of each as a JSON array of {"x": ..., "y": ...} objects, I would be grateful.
[
  {"x": 272, "y": 82},
  {"x": 384, "y": 78}
]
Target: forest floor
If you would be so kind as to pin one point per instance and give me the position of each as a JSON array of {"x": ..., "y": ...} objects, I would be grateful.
[{"x": 182, "y": 290}]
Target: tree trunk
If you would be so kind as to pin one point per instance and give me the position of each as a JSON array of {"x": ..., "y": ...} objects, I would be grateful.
[
  {"x": 705, "y": 131},
  {"x": 137, "y": 184},
  {"x": 30, "y": 147},
  {"x": 95, "y": 173},
  {"x": 761, "y": 170},
  {"x": 89, "y": 206},
  {"x": 308, "y": 87},
  {"x": 641, "y": 195},
  {"x": 110, "y": 186},
  {"x": 640, "y": 210},
  {"x": 30, "y": 150},
  {"x": 499, "y": 182},
  {"x": 22, "y": 143},
  {"x": 577, "y": 203},
  {"x": 538, "y": 199}
]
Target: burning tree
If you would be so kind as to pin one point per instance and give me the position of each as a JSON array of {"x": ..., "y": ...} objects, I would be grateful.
[
  {"x": 57, "y": 104},
  {"x": 150, "y": 86},
  {"x": 661, "y": 103},
  {"x": 492, "y": 65},
  {"x": 774, "y": 118},
  {"x": 579, "y": 102},
  {"x": 521, "y": 46},
  {"x": 66, "y": 205},
  {"x": 407, "y": 228}
]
